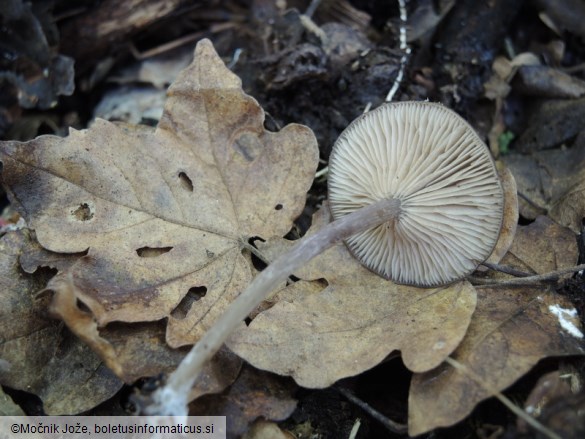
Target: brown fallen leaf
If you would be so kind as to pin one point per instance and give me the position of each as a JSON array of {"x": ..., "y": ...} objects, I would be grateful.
[
  {"x": 143, "y": 352},
  {"x": 136, "y": 350},
  {"x": 558, "y": 400},
  {"x": 510, "y": 219},
  {"x": 544, "y": 81},
  {"x": 343, "y": 319},
  {"x": 255, "y": 394},
  {"x": 162, "y": 212},
  {"x": 569, "y": 210},
  {"x": 39, "y": 354},
  {"x": 542, "y": 246},
  {"x": 512, "y": 329},
  {"x": 552, "y": 180},
  {"x": 551, "y": 123}
]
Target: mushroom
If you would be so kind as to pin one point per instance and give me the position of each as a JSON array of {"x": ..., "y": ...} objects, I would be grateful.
[
  {"x": 415, "y": 195},
  {"x": 440, "y": 173}
]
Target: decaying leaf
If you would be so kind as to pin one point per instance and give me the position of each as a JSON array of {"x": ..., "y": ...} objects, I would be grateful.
[
  {"x": 40, "y": 355},
  {"x": 542, "y": 246},
  {"x": 570, "y": 208},
  {"x": 31, "y": 73},
  {"x": 552, "y": 180},
  {"x": 343, "y": 319},
  {"x": 512, "y": 329},
  {"x": 135, "y": 350},
  {"x": 558, "y": 401},
  {"x": 161, "y": 212},
  {"x": 510, "y": 218},
  {"x": 255, "y": 394},
  {"x": 552, "y": 122}
]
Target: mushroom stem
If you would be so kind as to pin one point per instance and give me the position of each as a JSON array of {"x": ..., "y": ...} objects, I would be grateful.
[{"x": 172, "y": 398}]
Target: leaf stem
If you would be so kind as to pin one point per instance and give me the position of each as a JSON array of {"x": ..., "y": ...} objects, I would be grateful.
[{"x": 172, "y": 398}]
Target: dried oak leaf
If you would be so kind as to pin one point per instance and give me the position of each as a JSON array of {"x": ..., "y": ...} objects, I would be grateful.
[
  {"x": 40, "y": 355},
  {"x": 512, "y": 329},
  {"x": 162, "y": 212},
  {"x": 543, "y": 246},
  {"x": 343, "y": 319}
]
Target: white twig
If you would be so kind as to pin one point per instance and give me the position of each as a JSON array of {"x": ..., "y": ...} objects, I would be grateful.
[
  {"x": 405, "y": 49},
  {"x": 354, "y": 430}
]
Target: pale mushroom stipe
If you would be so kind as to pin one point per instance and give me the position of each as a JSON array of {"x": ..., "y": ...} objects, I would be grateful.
[{"x": 415, "y": 195}]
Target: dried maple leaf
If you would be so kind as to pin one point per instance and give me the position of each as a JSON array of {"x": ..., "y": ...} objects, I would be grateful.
[
  {"x": 320, "y": 333},
  {"x": 512, "y": 329},
  {"x": 40, "y": 355},
  {"x": 162, "y": 212}
]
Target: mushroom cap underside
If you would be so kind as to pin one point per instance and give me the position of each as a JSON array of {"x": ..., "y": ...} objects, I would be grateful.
[{"x": 451, "y": 199}]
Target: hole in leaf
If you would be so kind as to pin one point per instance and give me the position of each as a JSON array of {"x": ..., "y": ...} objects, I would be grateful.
[
  {"x": 258, "y": 263},
  {"x": 185, "y": 181},
  {"x": 152, "y": 252},
  {"x": 83, "y": 212},
  {"x": 292, "y": 279},
  {"x": 278, "y": 207},
  {"x": 524, "y": 221},
  {"x": 82, "y": 306},
  {"x": 193, "y": 295}
]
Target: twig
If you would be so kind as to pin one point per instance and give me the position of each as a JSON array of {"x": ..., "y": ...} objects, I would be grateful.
[
  {"x": 354, "y": 430},
  {"x": 503, "y": 399},
  {"x": 392, "y": 426},
  {"x": 506, "y": 269},
  {"x": 235, "y": 58},
  {"x": 574, "y": 69},
  {"x": 312, "y": 8},
  {"x": 529, "y": 280},
  {"x": 309, "y": 24},
  {"x": 404, "y": 47},
  {"x": 177, "y": 42},
  {"x": 322, "y": 172},
  {"x": 532, "y": 203}
]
